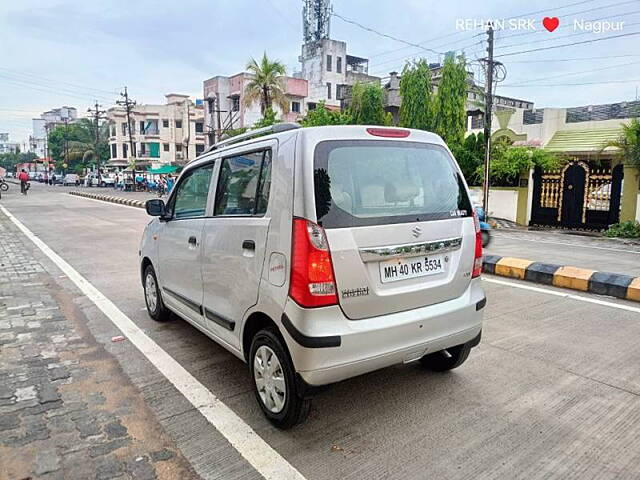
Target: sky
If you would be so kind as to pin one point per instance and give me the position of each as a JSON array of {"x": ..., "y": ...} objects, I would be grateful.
[{"x": 72, "y": 53}]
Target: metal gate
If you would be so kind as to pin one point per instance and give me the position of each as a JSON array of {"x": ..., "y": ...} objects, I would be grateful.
[{"x": 577, "y": 196}]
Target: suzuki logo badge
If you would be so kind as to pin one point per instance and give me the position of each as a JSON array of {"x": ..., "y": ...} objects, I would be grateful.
[{"x": 416, "y": 231}]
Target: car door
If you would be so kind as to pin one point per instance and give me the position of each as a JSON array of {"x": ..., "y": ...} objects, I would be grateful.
[
  {"x": 180, "y": 244},
  {"x": 234, "y": 240}
]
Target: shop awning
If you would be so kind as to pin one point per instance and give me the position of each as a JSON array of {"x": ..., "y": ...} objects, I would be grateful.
[
  {"x": 163, "y": 169},
  {"x": 582, "y": 141}
]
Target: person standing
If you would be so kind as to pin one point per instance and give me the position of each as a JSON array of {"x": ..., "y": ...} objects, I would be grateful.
[
  {"x": 23, "y": 176},
  {"x": 170, "y": 183}
]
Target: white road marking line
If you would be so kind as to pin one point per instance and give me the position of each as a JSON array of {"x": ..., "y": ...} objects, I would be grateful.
[
  {"x": 241, "y": 436},
  {"x": 502, "y": 235},
  {"x": 571, "y": 296}
]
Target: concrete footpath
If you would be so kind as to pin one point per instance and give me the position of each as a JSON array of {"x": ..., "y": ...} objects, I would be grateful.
[{"x": 67, "y": 410}]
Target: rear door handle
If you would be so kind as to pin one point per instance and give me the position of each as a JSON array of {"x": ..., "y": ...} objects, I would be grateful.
[
  {"x": 248, "y": 245},
  {"x": 193, "y": 241}
]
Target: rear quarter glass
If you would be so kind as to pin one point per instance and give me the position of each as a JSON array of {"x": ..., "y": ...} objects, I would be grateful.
[{"x": 377, "y": 182}]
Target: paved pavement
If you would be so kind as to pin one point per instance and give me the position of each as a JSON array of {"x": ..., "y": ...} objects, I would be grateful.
[
  {"x": 590, "y": 252},
  {"x": 67, "y": 410},
  {"x": 553, "y": 390}
]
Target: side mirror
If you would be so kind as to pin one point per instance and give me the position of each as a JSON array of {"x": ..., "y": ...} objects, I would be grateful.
[{"x": 155, "y": 207}]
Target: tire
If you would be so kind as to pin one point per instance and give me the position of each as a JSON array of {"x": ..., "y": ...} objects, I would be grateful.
[
  {"x": 292, "y": 409},
  {"x": 4, "y": 186},
  {"x": 447, "y": 359},
  {"x": 486, "y": 238},
  {"x": 152, "y": 296}
]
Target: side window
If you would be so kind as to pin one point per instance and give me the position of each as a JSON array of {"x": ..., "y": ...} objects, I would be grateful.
[
  {"x": 190, "y": 199},
  {"x": 243, "y": 184}
]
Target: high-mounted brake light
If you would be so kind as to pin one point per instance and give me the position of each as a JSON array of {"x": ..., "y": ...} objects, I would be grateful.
[
  {"x": 312, "y": 280},
  {"x": 389, "y": 132},
  {"x": 477, "y": 260}
]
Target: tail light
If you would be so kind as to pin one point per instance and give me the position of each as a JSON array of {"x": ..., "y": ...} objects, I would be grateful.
[
  {"x": 388, "y": 132},
  {"x": 477, "y": 260},
  {"x": 312, "y": 281}
]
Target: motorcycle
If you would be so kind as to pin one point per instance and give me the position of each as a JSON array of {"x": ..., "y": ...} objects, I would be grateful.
[{"x": 485, "y": 228}]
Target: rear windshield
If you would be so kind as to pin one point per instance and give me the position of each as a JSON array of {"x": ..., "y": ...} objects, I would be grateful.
[{"x": 373, "y": 182}]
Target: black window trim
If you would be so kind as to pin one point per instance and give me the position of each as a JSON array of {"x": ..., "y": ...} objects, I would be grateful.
[
  {"x": 236, "y": 154},
  {"x": 181, "y": 180}
]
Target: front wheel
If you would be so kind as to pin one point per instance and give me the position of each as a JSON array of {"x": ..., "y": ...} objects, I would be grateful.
[
  {"x": 446, "y": 359},
  {"x": 274, "y": 381},
  {"x": 4, "y": 186}
]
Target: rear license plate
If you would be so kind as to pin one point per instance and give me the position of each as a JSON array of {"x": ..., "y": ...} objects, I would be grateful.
[{"x": 405, "y": 268}]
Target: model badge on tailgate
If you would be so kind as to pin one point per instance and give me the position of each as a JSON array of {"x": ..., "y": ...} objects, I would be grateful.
[{"x": 355, "y": 292}]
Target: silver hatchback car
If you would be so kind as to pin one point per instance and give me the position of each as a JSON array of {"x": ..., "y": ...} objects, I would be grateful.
[{"x": 318, "y": 254}]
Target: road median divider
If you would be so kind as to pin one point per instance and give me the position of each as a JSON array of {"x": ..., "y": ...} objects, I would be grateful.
[
  {"x": 564, "y": 276},
  {"x": 111, "y": 199}
]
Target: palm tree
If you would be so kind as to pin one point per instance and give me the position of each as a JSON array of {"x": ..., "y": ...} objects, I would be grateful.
[
  {"x": 266, "y": 85},
  {"x": 628, "y": 144}
]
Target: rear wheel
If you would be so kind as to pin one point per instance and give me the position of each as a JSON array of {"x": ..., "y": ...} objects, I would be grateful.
[
  {"x": 274, "y": 381},
  {"x": 152, "y": 297},
  {"x": 4, "y": 186},
  {"x": 446, "y": 359}
]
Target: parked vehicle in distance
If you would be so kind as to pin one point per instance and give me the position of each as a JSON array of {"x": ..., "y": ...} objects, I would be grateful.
[
  {"x": 319, "y": 254},
  {"x": 10, "y": 175},
  {"x": 33, "y": 175},
  {"x": 108, "y": 180},
  {"x": 71, "y": 179}
]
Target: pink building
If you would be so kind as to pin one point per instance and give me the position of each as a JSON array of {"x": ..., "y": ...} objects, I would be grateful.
[{"x": 225, "y": 108}]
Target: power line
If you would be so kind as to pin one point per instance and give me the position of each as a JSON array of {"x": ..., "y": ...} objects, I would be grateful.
[
  {"x": 573, "y": 59},
  {"x": 32, "y": 84},
  {"x": 569, "y": 44},
  {"x": 40, "y": 77},
  {"x": 558, "y": 38},
  {"x": 569, "y": 74},
  {"x": 573, "y": 84},
  {"x": 547, "y": 10},
  {"x": 576, "y": 13},
  {"x": 57, "y": 92},
  {"x": 353, "y": 22}
]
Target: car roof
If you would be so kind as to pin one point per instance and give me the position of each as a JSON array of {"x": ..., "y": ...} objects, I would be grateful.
[{"x": 330, "y": 132}]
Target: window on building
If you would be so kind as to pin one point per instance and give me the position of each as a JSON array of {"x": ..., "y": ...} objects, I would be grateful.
[
  {"x": 295, "y": 107},
  {"x": 165, "y": 147},
  {"x": 143, "y": 149},
  {"x": 125, "y": 150},
  {"x": 114, "y": 150},
  {"x": 178, "y": 123},
  {"x": 178, "y": 147},
  {"x": 149, "y": 127},
  {"x": 311, "y": 106},
  {"x": 125, "y": 130},
  {"x": 339, "y": 64},
  {"x": 329, "y": 90},
  {"x": 199, "y": 127},
  {"x": 235, "y": 103},
  {"x": 199, "y": 148},
  {"x": 165, "y": 123},
  {"x": 329, "y": 60},
  {"x": 113, "y": 130},
  {"x": 243, "y": 184}
]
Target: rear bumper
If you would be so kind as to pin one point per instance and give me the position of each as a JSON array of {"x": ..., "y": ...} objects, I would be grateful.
[{"x": 327, "y": 347}]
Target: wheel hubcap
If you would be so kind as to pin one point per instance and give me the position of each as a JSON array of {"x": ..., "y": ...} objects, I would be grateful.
[
  {"x": 151, "y": 293},
  {"x": 269, "y": 378}
]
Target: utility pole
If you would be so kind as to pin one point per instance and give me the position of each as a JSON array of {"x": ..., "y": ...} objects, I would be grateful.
[
  {"x": 186, "y": 154},
  {"x": 97, "y": 115},
  {"x": 128, "y": 104},
  {"x": 66, "y": 142},
  {"x": 488, "y": 106}
]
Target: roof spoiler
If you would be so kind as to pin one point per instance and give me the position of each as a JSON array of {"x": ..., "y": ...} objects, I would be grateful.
[{"x": 277, "y": 128}]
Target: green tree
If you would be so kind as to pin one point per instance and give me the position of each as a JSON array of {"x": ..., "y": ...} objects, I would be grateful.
[
  {"x": 269, "y": 118},
  {"x": 10, "y": 160},
  {"x": 79, "y": 140},
  {"x": 321, "y": 116},
  {"x": 628, "y": 143},
  {"x": 450, "y": 115},
  {"x": 508, "y": 162},
  {"x": 366, "y": 105},
  {"x": 266, "y": 85},
  {"x": 416, "y": 108},
  {"x": 470, "y": 157}
]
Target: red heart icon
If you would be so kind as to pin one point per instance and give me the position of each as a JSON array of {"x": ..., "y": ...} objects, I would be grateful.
[{"x": 550, "y": 23}]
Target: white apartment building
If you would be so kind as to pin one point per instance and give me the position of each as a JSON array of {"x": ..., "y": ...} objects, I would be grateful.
[
  {"x": 47, "y": 121},
  {"x": 169, "y": 134},
  {"x": 6, "y": 146}
]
